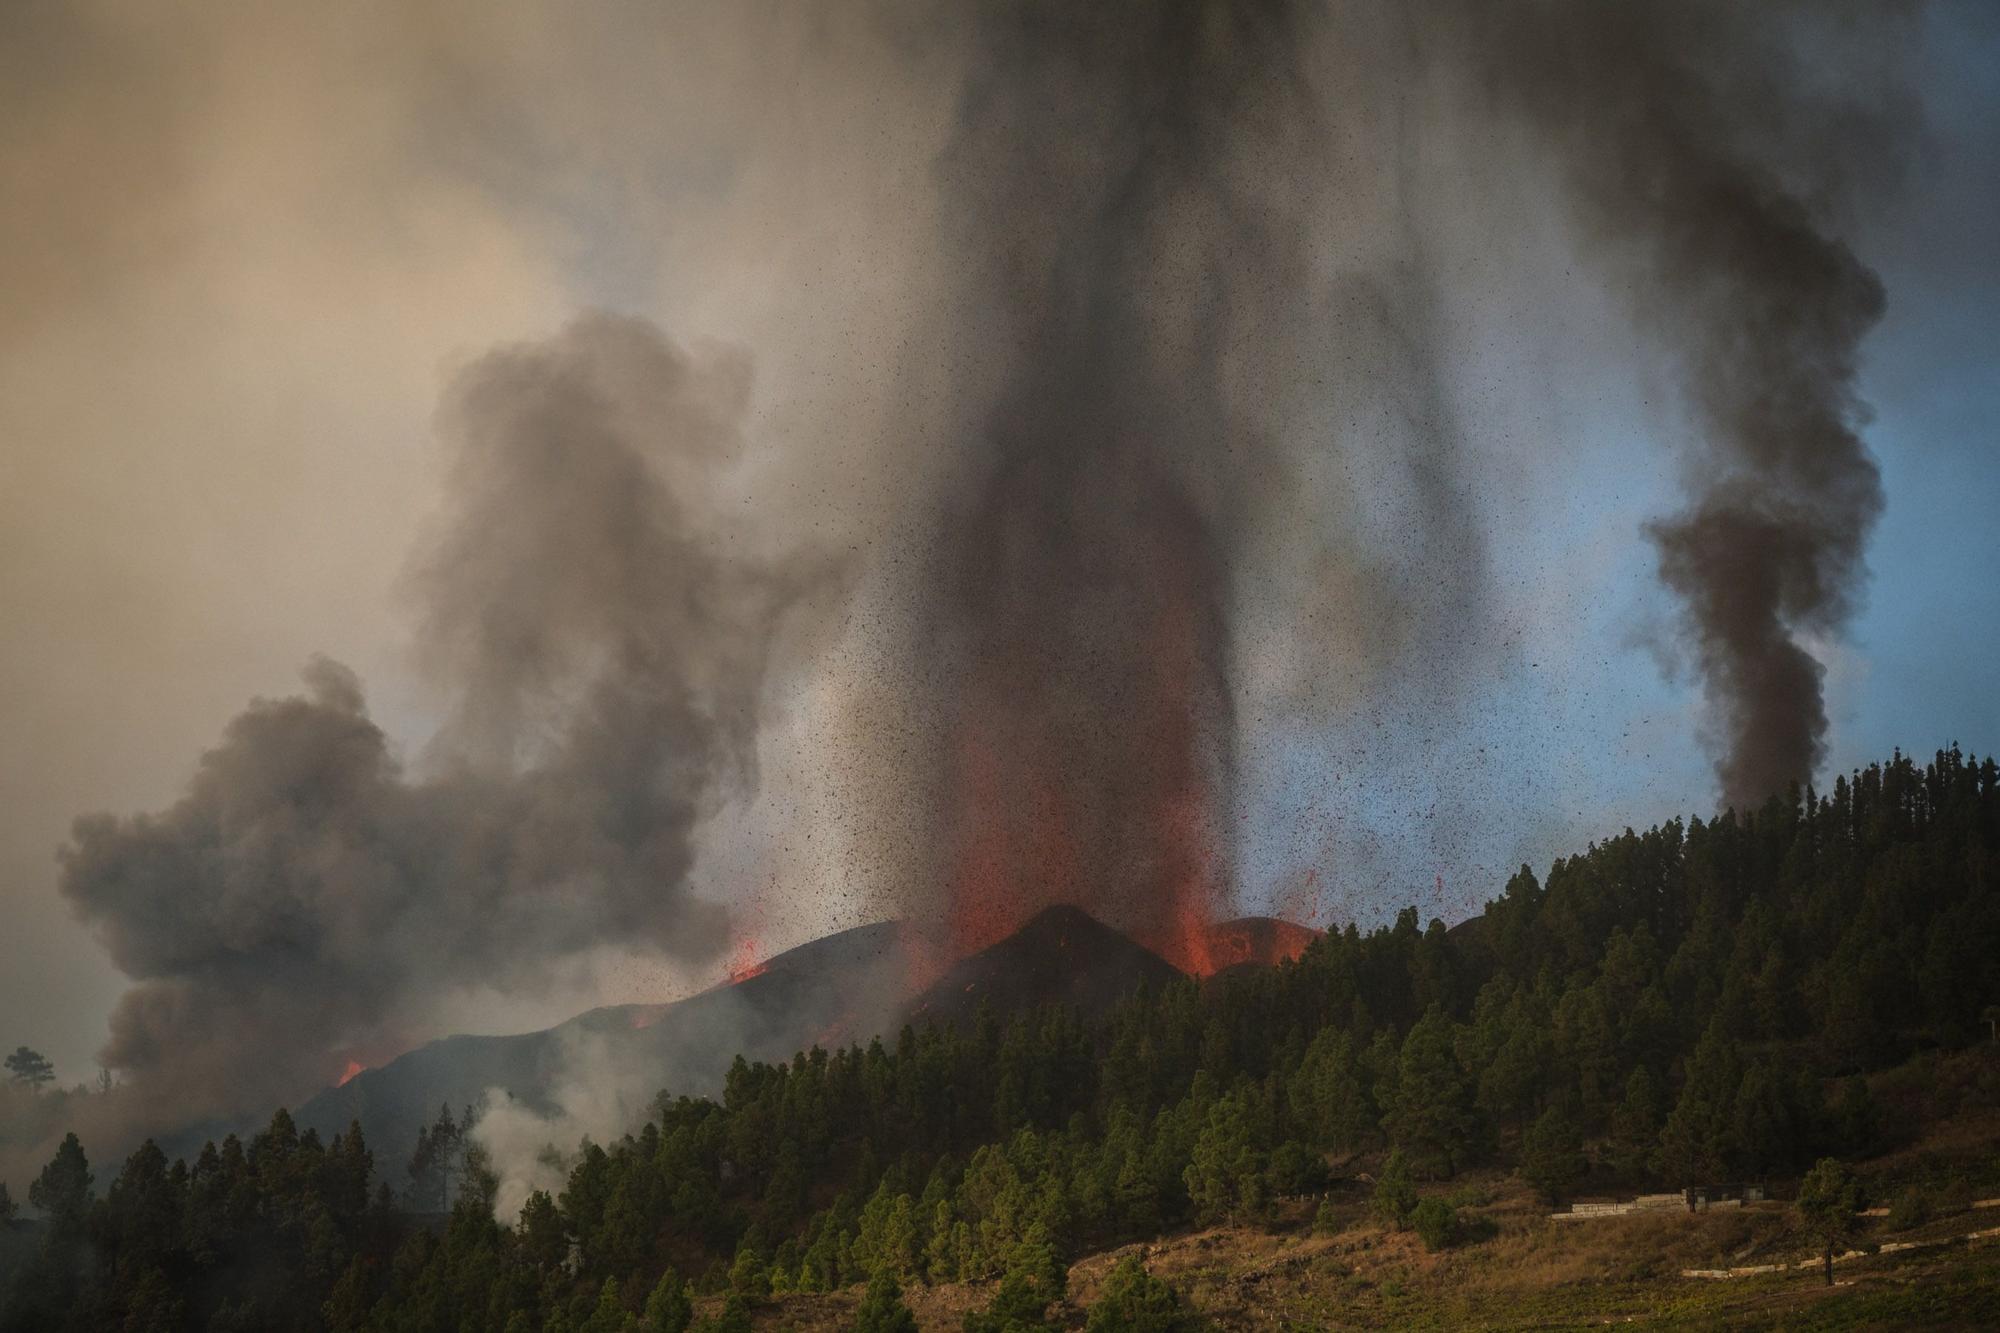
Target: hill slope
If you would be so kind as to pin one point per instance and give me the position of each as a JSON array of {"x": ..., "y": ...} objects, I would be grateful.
[
  {"x": 1062, "y": 955},
  {"x": 828, "y": 991}
]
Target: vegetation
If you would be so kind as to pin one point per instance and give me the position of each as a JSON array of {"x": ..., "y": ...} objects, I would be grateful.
[
  {"x": 1552, "y": 1157},
  {"x": 1134, "y": 1301},
  {"x": 1395, "y": 1193},
  {"x": 1435, "y": 1222},
  {"x": 1829, "y": 1197},
  {"x": 882, "y": 1310},
  {"x": 1672, "y": 1006},
  {"x": 30, "y": 1068}
]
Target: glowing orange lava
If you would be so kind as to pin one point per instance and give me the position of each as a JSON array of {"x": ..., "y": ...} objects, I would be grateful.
[
  {"x": 1111, "y": 808},
  {"x": 1259, "y": 940},
  {"x": 747, "y": 954},
  {"x": 347, "y": 1075},
  {"x": 747, "y": 961}
]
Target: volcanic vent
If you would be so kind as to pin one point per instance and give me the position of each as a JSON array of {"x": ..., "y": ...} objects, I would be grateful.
[{"x": 1081, "y": 617}]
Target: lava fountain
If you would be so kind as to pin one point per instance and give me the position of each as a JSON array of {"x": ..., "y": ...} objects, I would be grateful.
[
  {"x": 1089, "y": 754},
  {"x": 1118, "y": 226}
]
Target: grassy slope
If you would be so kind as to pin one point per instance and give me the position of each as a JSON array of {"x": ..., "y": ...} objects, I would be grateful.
[{"x": 1533, "y": 1273}]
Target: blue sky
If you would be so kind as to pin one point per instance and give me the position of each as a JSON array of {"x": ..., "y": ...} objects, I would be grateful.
[{"x": 1590, "y": 731}]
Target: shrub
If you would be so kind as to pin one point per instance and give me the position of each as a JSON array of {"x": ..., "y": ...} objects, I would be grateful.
[
  {"x": 1912, "y": 1208},
  {"x": 1395, "y": 1193},
  {"x": 1135, "y": 1301},
  {"x": 1436, "y": 1223},
  {"x": 1326, "y": 1222},
  {"x": 1470, "y": 1196}
]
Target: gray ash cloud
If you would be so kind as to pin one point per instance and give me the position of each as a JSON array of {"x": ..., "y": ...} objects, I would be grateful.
[
  {"x": 1171, "y": 217},
  {"x": 604, "y": 656},
  {"x": 1171, "y": 390},
  {"x": 1710, "y": 151}
]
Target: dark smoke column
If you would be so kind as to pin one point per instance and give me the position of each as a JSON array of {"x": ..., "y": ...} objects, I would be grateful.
[
  {"x": 602, "y": 650},
  {"x": 1693, "y": 136},
  {"x": 1110, "y": 188}
]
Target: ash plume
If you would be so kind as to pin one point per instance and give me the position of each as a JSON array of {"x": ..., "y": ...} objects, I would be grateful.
[
  {"x": 1119, "y": 197},
  {"x": 1708, "y": 149},
  {"x": 1167, "y": 214},
  {"x": 1132, "y": 352},
  {"x": 604, "y": 654}
]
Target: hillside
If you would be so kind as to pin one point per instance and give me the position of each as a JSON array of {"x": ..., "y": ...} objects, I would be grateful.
[
  {"x": 1063, "y": 955},
  {"x": 1708, "y": 1001},
  {"x": 1329, "y": 1263},
  {"x": 839, "y": 988}
]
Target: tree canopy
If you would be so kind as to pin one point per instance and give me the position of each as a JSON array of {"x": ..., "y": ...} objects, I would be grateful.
[{"x": 1677, "y": 997}]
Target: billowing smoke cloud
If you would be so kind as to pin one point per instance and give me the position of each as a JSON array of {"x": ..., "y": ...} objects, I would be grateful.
[
  {"x": 1705, "y": 146},
  {"x": 605, "y": 654},
  {"x": 1111, "y": 217},
  {"x": 1153, "y": 320},
  {"x": 1169, "y": 229},
  {"x": 1158, "y": 210}
]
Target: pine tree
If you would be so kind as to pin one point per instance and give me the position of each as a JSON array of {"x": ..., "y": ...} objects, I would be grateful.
[
  {"x": 542, "y": 1240},
  {"x": 1225, "y": 1175},
  {"x": 734, "y": 1317},
  {"x": 882, "y": 1309},
  {"x": 1395, "y": 1193},
  {"x": 1552, "y": 1154},
  {"x": 1857, "y": 1120},
  {"x": 1829, "y": 1197},
  {"x": 63, "y": 1188},
  {"x": 749, "y": 1277},
  {"x": 670, "y": 1307},
  {"x": 30, "y": 1068},
  {"x": 1431, "y": 1116},
  {"x": 1635, "y": 1125},
  {"x": 1035, "y": 1279},
  {"x": 609, "y": 1316}
]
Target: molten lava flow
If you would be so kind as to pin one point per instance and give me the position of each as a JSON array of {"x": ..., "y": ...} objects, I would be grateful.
[
  {"x": 1262, "y": 941},
  {"x": 747, "y": 960},
  {"x": 746, "y": 954},
  {"x": 1088, "y": 754},
  {"x": 347, "y": 1075},
  {"x": 1016, "y": 854}
]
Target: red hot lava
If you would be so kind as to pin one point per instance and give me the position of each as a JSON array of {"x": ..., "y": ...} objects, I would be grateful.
[
  {"x": 1261, "y": 940},
  {"x": 1088, "y": 756},
  {"x": 746, "y": 960}
]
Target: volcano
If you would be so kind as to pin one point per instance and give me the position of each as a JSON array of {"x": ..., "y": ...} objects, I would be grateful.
[
  {"x": 842, "y": 988},
  {"x": 1063, "y": 955},
  {"x": 831, "y": 991}
]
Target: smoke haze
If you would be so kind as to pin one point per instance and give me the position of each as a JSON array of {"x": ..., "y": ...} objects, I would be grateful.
[
  {"x": 1149, "y": 403},
  {"x": 606, "y": 662}
]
